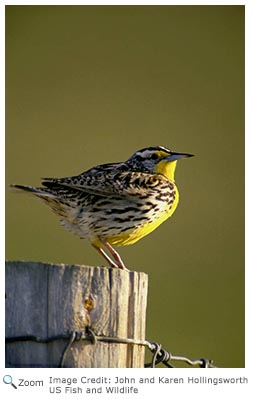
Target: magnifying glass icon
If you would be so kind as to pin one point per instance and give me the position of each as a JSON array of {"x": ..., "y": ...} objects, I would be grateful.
[{"x": 8, "y": 380}]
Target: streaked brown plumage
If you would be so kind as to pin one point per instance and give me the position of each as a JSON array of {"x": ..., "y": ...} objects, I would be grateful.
[{"x": 116, "y": 203}]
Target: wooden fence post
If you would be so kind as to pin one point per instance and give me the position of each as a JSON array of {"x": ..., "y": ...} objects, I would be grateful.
[{"x": 46, "y": 300}]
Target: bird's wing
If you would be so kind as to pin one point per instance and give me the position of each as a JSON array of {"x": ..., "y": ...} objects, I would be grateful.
[{"x": 109, "y": 182}]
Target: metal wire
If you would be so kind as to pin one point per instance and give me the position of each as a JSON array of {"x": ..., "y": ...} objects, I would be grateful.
[{"x": 159, "y": 355}]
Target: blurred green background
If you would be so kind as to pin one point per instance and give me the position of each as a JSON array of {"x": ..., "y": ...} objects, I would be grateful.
[{"x": 87, "y": 85}]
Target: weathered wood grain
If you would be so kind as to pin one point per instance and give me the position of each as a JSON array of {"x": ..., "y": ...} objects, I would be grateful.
[{"x": 47, "y": 300}]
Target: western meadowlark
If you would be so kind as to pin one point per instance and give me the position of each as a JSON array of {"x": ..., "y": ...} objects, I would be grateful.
[{"x": 115, "y": 203}]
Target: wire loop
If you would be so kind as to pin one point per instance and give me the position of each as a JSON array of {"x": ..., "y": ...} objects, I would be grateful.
[
  {"x": 72, "y": 338},
  {"x": 92, "y": 335}
]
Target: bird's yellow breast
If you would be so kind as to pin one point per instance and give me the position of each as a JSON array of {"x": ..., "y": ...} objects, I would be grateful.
[{"x": 135, "y": 234}]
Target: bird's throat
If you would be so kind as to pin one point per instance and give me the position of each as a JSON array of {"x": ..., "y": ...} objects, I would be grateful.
[{"x": 167, "y": 169}]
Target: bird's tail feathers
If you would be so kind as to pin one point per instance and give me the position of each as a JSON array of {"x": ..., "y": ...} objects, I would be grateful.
[{"x": 39, "y": 192}]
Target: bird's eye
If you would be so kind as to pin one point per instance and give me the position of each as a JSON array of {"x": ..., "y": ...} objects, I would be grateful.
[{"x": 154, "y": 156}]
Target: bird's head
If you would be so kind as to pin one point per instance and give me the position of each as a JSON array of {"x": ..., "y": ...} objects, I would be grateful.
[{"x": 156, "y": 160}]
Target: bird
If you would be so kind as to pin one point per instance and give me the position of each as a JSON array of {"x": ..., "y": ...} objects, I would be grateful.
[{"x": 115, "y": 204}]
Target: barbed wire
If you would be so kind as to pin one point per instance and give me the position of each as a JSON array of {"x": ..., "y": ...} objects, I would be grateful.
[{"x": 159, "y": 355}]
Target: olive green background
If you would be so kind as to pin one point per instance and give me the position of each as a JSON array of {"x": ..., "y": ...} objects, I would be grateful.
[{"x": 87, "y": 85}]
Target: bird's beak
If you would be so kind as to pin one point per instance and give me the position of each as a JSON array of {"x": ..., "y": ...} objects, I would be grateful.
[{"x": 177, "y": 155}]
